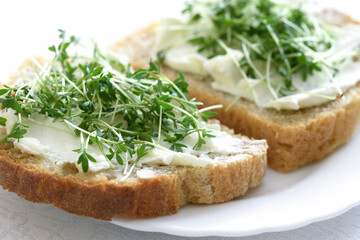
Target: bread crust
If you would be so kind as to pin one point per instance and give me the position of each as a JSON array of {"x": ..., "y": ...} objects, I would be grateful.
[
  {"x": 295, "y": 137},
  {"x": 97, "y": 200},
  {"x": 291, "y": 145},
  {"x": 104, "y": 199}
]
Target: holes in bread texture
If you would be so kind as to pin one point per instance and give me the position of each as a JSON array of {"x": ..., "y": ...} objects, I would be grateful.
[
  {"x": 286, "y": 146},
  {"x": 69, "y": 169},
  {"x": 111, "y": 177}
]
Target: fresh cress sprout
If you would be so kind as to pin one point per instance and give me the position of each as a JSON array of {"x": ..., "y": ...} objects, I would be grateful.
[
  {"x": 123, "y": 113},
  {"x": 274, "y": 38}
]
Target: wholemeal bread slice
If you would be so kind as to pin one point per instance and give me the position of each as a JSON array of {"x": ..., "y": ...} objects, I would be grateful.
[
  {"x": 295, "y": 137},
  {"x": 149, "y": 191},
  {"x": 104, "y": 196}
]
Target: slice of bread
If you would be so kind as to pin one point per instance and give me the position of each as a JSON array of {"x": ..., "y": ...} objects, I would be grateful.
[
  {"x": 103, "y": 194},
  {"x": 295, "y": 137}
]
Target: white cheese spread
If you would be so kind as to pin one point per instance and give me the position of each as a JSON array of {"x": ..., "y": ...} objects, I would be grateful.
[
  {"x": 172, "y": 36},
  {"x": 55, "y": 140},
  {"x": 145, "y": 173}
]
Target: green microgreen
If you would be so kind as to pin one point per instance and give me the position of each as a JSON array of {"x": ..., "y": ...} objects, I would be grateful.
[
  {"x": 17, "y": 131},
  {"x": 277, "y": 36},
  {"x": 107, "y": 105},
  {"x": 3, "y": 121}
]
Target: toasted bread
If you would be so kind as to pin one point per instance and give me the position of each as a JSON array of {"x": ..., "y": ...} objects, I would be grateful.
[{"x": 105, "y": 194}]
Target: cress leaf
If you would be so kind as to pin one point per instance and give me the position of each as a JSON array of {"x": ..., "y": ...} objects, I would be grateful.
[{"x": 3, "y": 121}]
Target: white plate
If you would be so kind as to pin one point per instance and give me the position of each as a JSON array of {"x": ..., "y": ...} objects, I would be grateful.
[{"x": 283, "y": 201}]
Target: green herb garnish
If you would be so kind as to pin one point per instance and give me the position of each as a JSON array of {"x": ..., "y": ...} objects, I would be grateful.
[
  {"x": 123, "y": 113},
  {"x": 275, "y": 39}
]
